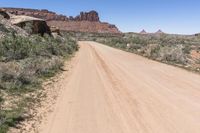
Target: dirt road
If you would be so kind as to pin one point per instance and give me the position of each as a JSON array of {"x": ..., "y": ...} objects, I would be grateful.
[{"x": 111, "y": 91}]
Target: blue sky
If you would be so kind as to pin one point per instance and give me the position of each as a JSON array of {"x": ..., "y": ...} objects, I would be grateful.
[{"x": 172, "y": 16}]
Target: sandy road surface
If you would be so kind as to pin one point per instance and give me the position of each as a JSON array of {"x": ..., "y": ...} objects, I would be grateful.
[{"x": 111, "y": 91}]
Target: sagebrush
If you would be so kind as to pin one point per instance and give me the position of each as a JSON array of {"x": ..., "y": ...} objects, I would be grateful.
[{"x": 24, "y": 62}]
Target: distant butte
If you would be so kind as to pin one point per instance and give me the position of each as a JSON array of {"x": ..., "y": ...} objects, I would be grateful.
[
  {"x": 159, "y": 32},
  {"x": 143, "y": 32}
]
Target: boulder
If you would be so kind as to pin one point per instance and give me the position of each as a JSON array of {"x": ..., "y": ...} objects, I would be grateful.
[
  {"x": 7, "y": 27},
  {"x": 55, "y": 30},
  {"x": 4, "y": 14},
  {"x": 85, "y": 26},
  {"x": 43, "y": 14},
  {"x": 30, "y": 24}
]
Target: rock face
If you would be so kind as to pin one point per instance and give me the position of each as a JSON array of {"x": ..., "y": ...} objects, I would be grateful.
[
  {"x": 7, "y": 27},
  {"x": 4, "y": 14},
  {"x": 43, "y": 14},
  {"x": 87, "y": 16},
  {"x": 85, "y": 22},
  {"x": 85, "y": 26},
  {"x": 30, "y": 24}
]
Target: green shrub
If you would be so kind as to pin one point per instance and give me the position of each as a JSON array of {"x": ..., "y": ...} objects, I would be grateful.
[
  {"x": 9, "y": 118},
  {"x": 28, "y": 27},
  {"x": 24, "y": 61},
  {"x": 14, "y": 47},
  {"x": 135, "y": 46},
  {"x": 138, "y": 40},
  {"x": 1, "y": 99},
  {"x": 173, "y": 54},
  {"x": 187, "y": 49},
  {"x": 3, "y": 28},
  {"x": 173, "y": 49},
  {"x": 27, "y": 58}
]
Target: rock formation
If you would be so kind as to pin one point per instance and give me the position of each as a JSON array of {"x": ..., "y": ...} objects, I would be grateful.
[
  {"x": 43, "y": 14},
  {"x": 4, "y": 14},
  {"x": 30, "y": 24},
  {"x": 7, "y": 27},
  {"x": 85, "y": 22},
  {"x": 85, "y": 26},
  {"x": 87, "y": 16},
  {"x": 159, "y": 32},
  {"x": 143, "y": 32}
]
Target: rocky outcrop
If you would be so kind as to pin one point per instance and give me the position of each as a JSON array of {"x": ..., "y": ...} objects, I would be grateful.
[
  {"x": 85, "y": 26},
  {"x": 43, "y": 14},
  {"x": 7, "y": 27},
  {"x": 87, "y": 16},
  {"x": 49, "y": 15},
  {"x": 30, "y": 24},
  {"x": 85, "y": 22},
  {"x": 55, "y": 30},
  {"x": 4, "y": 14}
]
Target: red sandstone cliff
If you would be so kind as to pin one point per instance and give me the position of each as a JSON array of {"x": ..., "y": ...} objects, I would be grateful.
[
  {"x": 85, "y": 22},
  {"x": 43, "y": 14},
  {"x": 85, "y": 26}
]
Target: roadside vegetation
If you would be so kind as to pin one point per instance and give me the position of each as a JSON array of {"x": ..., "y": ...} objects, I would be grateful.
[
  {"x": 182, "y": 51},
  {"x": 179, "y": 50},
  {"x": 24, "y": 64}
]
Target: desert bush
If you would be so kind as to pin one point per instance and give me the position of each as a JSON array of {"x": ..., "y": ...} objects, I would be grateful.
[
  {"x": 24, "y": 62},
  {"x": 135, "y": 46},
  {"x": 1, "y": 102},
  {"x": 14, "y": 47},
  {"x": 121, "y": 45},
  {"x": 28, "y": 27},
  {"x": 24, "y": 59},
  {"x": 9, "y": 118},
  {"x": 152, "y": 51},
  {"x": 173, "y": 54},
  {"x": 19, "y": 77},
  {"x": 1, "y": 99},
  {"x": 3, "y": 28},
  {"x": 8, "y": 75},
  {"x": 187, "y": 49},
  {"x": 173, "y": 49},
  {"x": 138, "y": 40}
]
